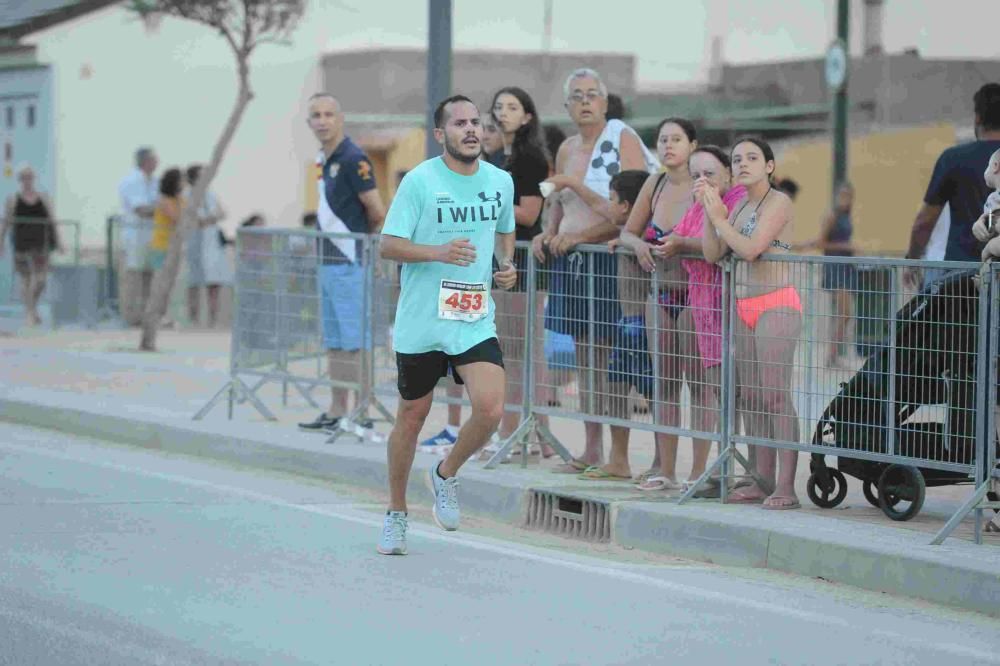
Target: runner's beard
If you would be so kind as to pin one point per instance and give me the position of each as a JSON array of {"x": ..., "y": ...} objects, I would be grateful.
[{"x": 455, "y": 151}]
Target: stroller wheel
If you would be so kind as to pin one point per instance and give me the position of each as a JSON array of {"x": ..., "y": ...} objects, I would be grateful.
[
  {"x": 827, "y": 497},
  {"x": 870, "y": 489},
  {"x": 901, "y": 484}
]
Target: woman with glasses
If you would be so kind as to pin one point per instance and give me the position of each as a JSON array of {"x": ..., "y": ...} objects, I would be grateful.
[{"x": 699, "y": 327}]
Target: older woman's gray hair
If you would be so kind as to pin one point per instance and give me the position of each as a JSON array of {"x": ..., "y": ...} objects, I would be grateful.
[{"x": 584, "y": 73}]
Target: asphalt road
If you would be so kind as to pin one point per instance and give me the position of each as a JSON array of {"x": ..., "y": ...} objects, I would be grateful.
[{"x": 110, "y": 555}]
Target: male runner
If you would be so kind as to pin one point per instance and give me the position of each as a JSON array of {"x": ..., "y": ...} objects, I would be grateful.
[{"x": 449, "y": 216}]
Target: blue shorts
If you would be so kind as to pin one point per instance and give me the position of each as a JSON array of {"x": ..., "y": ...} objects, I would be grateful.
[
  {"x": 629, "y": 362},
  {"x": 156, "y": 258},
  {"x": 342, "y": 299},
  {"x": 572, "y": 306}
]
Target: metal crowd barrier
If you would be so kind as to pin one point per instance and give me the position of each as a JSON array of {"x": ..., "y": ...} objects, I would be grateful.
[
  {"x": 740, "y": 354},
  {"x": 991, "y": 490},
  {"x": 987, "y": 473},
  {"x": 283, "y": 278},
  {"x": 636, "y": 344},
  {"x": 128, "y": 272},
  {"x": 905, "y": 416}
]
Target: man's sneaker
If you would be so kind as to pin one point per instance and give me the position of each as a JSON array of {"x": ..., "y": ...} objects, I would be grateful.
[
  {"x": 434, "y": 444},
  {"x": 393, "y": 541},
  {"x": 322, "y": 423},
  {"x": 446, "y": 513}
]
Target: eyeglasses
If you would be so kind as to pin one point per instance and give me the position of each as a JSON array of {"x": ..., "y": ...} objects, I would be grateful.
[{"x": 590, "y": 96}]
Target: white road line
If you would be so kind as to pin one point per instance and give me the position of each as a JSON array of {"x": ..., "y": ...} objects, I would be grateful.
[{"x": 576, "y": 562}]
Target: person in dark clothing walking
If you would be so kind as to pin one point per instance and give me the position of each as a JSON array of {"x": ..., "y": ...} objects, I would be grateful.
[{"x": 28, "y": 217}]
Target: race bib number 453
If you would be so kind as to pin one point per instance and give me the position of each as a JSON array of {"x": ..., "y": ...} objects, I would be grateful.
[{"x": 463, "y": 301}]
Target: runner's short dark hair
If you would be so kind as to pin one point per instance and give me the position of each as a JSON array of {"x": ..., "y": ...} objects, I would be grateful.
[{"x": 440, "y": 118}]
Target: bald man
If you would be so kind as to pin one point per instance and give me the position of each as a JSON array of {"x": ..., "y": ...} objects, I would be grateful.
[{"x": 348, "y": 203}]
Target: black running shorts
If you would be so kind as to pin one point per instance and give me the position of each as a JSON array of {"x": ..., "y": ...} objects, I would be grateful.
[{"x": 418, "y": 374}]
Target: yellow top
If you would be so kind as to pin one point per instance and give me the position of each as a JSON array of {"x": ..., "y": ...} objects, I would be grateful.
[{"x": 164, "y": 221}]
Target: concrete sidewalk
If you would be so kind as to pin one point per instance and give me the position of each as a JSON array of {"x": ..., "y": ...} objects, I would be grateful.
[{"x": 95, "y": 384}]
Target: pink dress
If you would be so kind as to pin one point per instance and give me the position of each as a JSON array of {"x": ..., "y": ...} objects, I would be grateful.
[{"x": 705, "y": 282}]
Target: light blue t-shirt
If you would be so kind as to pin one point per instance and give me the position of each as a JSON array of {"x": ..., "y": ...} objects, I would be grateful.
[{"x": 433, "y": 206}]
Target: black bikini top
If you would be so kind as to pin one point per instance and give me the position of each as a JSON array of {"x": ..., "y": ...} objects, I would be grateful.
[{"x": 751, "y": 224}]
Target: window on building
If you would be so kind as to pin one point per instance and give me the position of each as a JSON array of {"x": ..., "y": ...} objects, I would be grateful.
[
  {"x": 10, "y": 117},
  {"x": 31, "y": 115}
]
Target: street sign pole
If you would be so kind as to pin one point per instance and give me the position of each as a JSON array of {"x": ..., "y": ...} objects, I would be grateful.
[
  {"x": 837, "y": 74},
  {"x": 438, "y": 65}
]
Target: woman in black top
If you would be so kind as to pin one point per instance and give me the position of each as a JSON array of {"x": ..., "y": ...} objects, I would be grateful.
[
  {"x": 527, "y": 161},
  {"x": 28, "y": 214}
]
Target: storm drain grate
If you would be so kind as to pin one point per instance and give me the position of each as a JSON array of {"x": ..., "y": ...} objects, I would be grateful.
[{"x": 569, "y": 516}]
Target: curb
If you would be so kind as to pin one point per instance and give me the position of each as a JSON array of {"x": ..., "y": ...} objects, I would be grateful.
[{"x": 874, "y": 557}]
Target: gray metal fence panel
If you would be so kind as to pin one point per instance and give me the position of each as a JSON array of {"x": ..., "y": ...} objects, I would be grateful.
[{"x": 838, "y": 356}]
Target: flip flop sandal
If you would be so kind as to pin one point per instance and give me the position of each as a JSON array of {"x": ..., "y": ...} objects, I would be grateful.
[
  {"x": 735, "y": 498},
  {"x": 709, "y": 491},
  {"x": 795, "y": 504},
  {"x": 572, "y": 466},
  {"x": 597, "y": 474},
  {"x": 645, "y": 476},
  {"x": 658, "y": 483},
  {"x": 533, "y": 450}
]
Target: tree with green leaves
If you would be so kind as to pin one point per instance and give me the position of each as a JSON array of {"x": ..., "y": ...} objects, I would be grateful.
[{"x": 244, "y": 25}]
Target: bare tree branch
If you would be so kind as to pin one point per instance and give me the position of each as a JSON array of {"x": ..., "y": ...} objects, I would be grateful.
[{"x": 244, "y": 24}]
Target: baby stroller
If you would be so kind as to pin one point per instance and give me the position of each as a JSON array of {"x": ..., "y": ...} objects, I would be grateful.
[{"x": 936, "y": 336}]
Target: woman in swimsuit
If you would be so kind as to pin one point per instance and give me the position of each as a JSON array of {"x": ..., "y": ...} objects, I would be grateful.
[
  {"x": 662, "y": 202},
  {"x": 699, "y": 326},
  {"x": 769, "y": 314}
]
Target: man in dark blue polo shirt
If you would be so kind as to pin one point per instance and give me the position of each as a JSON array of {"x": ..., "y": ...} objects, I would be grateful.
[
  {"x": 348, "y": 203},
  {"x": 958, "y": 182}
]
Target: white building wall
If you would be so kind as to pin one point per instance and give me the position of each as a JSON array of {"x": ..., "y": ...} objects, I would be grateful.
[{"x": 116, "y": 87}]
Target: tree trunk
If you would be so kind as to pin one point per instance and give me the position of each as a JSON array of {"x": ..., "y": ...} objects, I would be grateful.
[{"x": 164, "y": 279}]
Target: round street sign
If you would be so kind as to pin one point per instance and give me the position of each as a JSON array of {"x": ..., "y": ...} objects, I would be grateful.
[{"x": 836, "y": 66}]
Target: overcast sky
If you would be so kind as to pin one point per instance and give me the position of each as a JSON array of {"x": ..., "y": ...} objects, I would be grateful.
[{"x": 670, "y": 38}]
